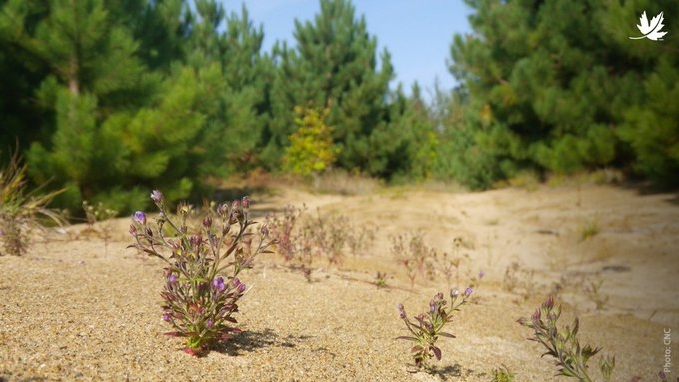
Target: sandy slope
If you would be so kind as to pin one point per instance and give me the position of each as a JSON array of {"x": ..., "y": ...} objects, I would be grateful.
[{"x": 77, "y": 309}]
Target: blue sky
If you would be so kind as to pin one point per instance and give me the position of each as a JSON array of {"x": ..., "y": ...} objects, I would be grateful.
[{"x": 417, "y": 33}]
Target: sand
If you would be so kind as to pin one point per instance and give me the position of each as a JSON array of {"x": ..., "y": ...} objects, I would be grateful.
[{"x": 78, "y": 307}]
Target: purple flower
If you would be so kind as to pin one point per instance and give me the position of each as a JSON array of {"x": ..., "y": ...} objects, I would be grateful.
[
  {"x": 468, "y": 291},
  {"x": 432, "y": 306},
  {"x": 210, "y": 323},
  {"x": 139, "y": 217},
  {"x": 171, "y": 278},
  {"x": 166, "y": 317},
  {"x": 238, "y": 285},
  {"x": 157, "y": 196},
  {"x": 218, "y": 283},
  {"x": 195, "y": 240},
  {"x": 264, "y": 230},
  {"x": 401, "y": 311},
  {"x": 245, "y": 202}
]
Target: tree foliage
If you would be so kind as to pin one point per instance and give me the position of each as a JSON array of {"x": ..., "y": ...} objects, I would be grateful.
[
  {"x": 117, "y": 120},
  {"x": 554, "y": 85},
  {"x": 334, "y": 66},
  {"x": 108, "y": 99},
  {"x": 311, "y": 149}
]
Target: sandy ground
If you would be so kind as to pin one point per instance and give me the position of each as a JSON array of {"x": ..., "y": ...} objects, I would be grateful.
[{"x": 78, "y": 307}]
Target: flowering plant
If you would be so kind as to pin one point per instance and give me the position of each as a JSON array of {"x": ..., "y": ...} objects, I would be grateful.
[
  {"x": 427, "y": 327},
  {"x": 570, "y": 357},
  {"x": 202, "y": 287}
]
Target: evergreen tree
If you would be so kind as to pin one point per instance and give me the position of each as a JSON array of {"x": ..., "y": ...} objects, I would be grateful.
[
  {"x": 108, "y": 109},
  {"x": 161, "y": 27},
  {"x": 410, "y": 141},
  {"x": 21, "y": 72},
  {"x": 237, "y": 76},
  {"x": 550, "y": 82},
  {"x": 334, "y": 66}
]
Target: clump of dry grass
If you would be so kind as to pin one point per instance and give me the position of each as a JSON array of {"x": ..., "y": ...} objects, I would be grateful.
[{"x": 21, "y": 211}]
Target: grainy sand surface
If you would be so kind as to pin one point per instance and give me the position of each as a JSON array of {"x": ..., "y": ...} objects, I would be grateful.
[{"x": 77, "y": 307}]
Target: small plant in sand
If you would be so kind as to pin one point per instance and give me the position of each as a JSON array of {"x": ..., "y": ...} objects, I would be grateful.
[
  {"x": 593, "y": 290},
  {"x": 562, "y": 343},
  {"x": 449, "y": 265},
  {"x": 502, "y": 374},
  {"x": 360, "y": 239},
  {"x": 291, "y": 243},
  {"x": 99, "y": 215},
  {"x": 520, "y": 281},
  {"x": 589, "y": 228},
  {"x": 201, "y": 278},
  {"x": 419, "y": 259},
  {"x": 426, "y": 328},
  {"x": 381, "y": 279},
  {"x": 325, "y": 235},
  {"x": 21, "y": 211},
  {"x": 96, "y": 214},
  {"x": 416, "y": 257},
  {"x": 281, "y": 229}
]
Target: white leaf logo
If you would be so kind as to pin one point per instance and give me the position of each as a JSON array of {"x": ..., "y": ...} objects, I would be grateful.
[{"x": 652, "y": 30}]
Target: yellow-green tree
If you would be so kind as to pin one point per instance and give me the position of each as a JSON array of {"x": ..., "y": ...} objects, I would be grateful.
[{"x": 311, "y": 150}]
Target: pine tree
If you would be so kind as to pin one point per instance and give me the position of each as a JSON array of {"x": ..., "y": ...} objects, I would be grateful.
[
  {"x": 409, "y": 142},
  {"x": 551, "y": 82},
  {"x": 116, "y": 129},
  {"x": 160, "y": 26},
  {"x": 237, "y": 76},
  {"x": 334, "y": 66}
]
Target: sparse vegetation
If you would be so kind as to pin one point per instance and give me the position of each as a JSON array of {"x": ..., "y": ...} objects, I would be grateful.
[
  {"x": 592, "y": 289},
  {"x": 326, "y": 235},
  {"x": 589, "y": 228},
  {"x": 107, "y": 99},
  {"x": 520, "y": 281},
  {"x": 99, "y": 221},
  {"x": 21, "y": 211},
  {"x": 381, "y": 279},
  {"x": 502, "y": 374}
]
